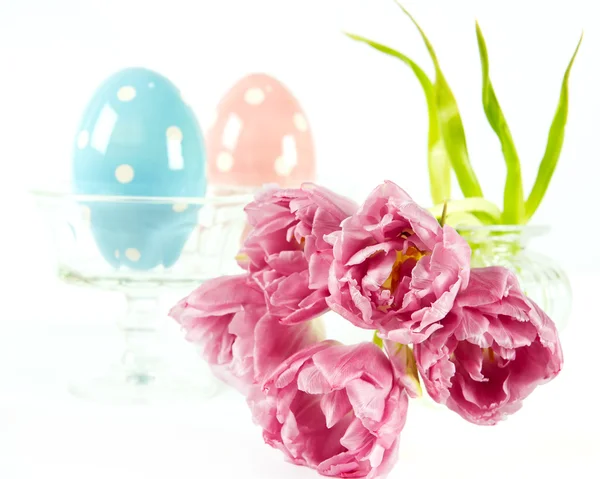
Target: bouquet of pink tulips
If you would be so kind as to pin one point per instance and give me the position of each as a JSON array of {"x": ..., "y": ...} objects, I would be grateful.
[{"x": 473, "y": 338}]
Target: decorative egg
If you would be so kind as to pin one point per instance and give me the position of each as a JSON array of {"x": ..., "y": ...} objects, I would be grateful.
[
  {"x": 260, "y": 135},
  {"x": 141, "y": 236},
  {"x": 138, "y": 138}
]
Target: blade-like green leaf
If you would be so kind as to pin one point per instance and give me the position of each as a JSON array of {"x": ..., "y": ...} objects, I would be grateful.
[
  {"x": 556, "y": 138},
  {"x": 451, "y": 124},
  {"x": 514, "y": 206},
  {"x": 438, "y": 160}
]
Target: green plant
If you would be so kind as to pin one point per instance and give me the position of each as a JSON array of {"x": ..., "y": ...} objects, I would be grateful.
[{"x": 447, "y": 145}]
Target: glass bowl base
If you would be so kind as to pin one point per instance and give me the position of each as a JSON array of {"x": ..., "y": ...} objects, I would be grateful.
[{"x": 118, "y": 385}]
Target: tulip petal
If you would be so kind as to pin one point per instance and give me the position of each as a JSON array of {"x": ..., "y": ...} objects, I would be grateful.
[
  {"x": 367, "y": 400},
  {"x": 335, "y": 405},
  {"x": 470, "y": 357},
  {"x": 356, "y": 436},
  {"x": 311, "y": 381}
]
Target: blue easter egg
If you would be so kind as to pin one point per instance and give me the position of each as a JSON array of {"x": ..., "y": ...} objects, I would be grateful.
[
  {"x": 141, "y": 236},
  {"x": 137, "y": 137}
]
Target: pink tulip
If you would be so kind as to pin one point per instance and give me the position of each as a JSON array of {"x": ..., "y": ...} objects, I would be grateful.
[
  {"x": 285, "y": 252},
  {"x": 241, "y": 341},
  {"x": 337, "y": 409},
  {"x": 495, "y": 348},
  {"x": 395, "y": 268}
]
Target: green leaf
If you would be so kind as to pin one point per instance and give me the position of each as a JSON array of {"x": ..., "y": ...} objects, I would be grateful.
[
  {"x": 451, "y": 124},
  {"x": 514, "y": 206},
  {"x": 438, "y": 160},
  {"x": 556, "y": 138}
]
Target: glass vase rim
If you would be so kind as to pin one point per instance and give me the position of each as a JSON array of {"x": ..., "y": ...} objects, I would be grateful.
[
  {"x": 526, "y": 229},
  {"x": 208, "y": 198}
]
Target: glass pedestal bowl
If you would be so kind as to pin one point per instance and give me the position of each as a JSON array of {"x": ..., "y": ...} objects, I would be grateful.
[{"x": 143, "y": 248}]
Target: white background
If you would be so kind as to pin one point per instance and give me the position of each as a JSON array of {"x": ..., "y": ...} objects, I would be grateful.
[{"x": 369, "y": 119}]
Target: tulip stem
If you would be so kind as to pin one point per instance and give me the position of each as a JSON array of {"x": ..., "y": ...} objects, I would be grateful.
[
  {"x": 444, "y": 214},
  {"x": 377, "y": 340}
]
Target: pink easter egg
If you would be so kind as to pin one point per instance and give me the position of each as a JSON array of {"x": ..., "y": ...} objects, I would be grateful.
[{"x": 260, "y": 135}]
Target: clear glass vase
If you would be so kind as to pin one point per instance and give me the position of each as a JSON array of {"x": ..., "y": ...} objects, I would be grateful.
[{"x": 540, "y": 276}]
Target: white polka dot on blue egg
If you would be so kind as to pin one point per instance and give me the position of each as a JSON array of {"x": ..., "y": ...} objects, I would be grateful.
[{"x": 137, "y": 137}]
